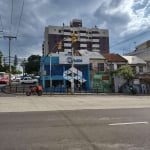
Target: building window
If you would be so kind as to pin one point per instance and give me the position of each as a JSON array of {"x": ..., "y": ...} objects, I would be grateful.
[
  {"x": 100, "y": 66},
  {"x": 134, "y": 69},
  {"x": 118, "y": 66},
  {"x": 140, "y": 68},
  {"x": 111, "y": 67}
]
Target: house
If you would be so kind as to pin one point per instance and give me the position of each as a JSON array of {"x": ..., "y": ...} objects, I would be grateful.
[
  {"x": 142, "y": 51},
  {"x": 114, "y": 61},
  {"x": 142, "y": 77},
  {"x": 100, "y": 79},
  {"x": 138, "y": 65}
]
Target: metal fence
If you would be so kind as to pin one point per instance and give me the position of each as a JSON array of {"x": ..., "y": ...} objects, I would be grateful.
[{"x": 21, "y": 89}]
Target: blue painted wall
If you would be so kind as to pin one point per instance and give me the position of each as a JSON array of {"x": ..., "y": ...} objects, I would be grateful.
[{"x": 57, "y": 73}]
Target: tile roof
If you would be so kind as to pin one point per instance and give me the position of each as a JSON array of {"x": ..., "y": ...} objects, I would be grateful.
[
  {"x": 114, "y": 58},
  {"x": 134, "y": 60}
]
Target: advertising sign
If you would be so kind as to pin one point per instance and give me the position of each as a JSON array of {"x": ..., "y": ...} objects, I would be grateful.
[{"x": 74, "y": 59}]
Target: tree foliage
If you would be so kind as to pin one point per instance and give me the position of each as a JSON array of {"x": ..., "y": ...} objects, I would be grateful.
[
  {"x": 126, "y": 72},
  {"x": 5, "y": 67},
  {"x": 1, "y": 55},
  {"x": 32, "y": 66},
  {"x": 15, "y": 61},
  {"x": 1, "y": 67}
]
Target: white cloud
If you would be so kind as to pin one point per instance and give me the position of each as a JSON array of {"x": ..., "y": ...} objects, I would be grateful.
[{"x": 138, "y": 20}]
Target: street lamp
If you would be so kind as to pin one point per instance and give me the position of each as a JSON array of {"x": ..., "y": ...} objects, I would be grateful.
[
  {"x": 59, "y": 47},
  {"x": 50, "y": 69},
  {"x": 74, "y": 40}
]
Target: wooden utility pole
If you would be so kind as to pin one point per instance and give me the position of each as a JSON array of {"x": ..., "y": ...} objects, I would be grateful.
[{"x": 10, "y": 38}]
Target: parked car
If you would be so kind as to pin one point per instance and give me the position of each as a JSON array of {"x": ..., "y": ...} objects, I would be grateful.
[
  {"x": 28, "y": 80},
  {"x": 4, "y": 80}
]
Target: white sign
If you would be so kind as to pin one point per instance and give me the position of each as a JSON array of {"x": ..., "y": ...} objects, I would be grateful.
[{"x": 74, "y": 59}]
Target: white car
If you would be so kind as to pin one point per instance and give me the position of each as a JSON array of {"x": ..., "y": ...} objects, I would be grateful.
[{"x": 28, "y": 80}]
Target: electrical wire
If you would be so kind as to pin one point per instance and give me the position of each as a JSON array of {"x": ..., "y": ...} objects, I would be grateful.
[
  {"x": 129, "y": 39},
  {"x": 11, "y": 16},
  {"x": 12, "y": 11},
  {"x": 20, "y": 19},
  {"x": 1, "y": 25}
]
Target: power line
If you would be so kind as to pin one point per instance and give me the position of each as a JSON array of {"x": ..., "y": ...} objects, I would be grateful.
[
  {"x": 20, "y": 18},
  {"x": 1, "y": 25},
  {"x": 11, "y": 16},
  {"x": 12, "y": 11},
  {"x": 126, "y": 40},
  {"x": 10, "y": 38}
]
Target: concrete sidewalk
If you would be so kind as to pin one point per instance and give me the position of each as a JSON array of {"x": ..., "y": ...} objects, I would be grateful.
[{"x": 71, "y": 102}]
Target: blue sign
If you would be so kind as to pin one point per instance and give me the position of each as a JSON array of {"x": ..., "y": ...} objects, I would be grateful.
[{"x": 69, "y": 59}]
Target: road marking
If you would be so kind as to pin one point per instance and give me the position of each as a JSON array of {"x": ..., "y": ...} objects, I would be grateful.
[{"x": 127, "y": 123}]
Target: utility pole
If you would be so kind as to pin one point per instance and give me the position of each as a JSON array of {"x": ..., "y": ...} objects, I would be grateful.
[
  {"x": 10, "y": 38},
  {"x": 74, "y": 40}
]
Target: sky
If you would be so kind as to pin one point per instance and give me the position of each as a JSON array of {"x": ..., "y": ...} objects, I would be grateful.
[{"x": 128, "y": 22}]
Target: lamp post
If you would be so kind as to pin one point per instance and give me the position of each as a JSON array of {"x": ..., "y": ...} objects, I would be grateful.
[
  {"x": 72, "y": 74},
  {"x": 10, "y": 38},
  {"x": 50, "y": 69},
  {"x": 74, "y": 40},
  {"x": 59, "y": 47}
]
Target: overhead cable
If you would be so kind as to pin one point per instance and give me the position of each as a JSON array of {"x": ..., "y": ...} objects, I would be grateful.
[
  {"x": 127, "y": 40},
  {"x": 20, "y": 19},
  {"x": 1, "y": 25}
]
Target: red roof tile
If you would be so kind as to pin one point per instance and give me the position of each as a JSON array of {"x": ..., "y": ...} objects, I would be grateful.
[{"x": 114, "y": 58}]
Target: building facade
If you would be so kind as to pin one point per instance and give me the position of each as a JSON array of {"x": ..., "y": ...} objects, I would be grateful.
[
  {"x": 114, "y": 61},
  {"x": 91, "y": 39},
  {"x": 138, "y": 65},
  {"x": 85, "y": 71},
  {"x": 59, "y": 71},
  {"x": 142, "y": 51}
]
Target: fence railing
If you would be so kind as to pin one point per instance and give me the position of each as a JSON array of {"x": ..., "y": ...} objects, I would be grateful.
[{"x": 23, "y": 88}]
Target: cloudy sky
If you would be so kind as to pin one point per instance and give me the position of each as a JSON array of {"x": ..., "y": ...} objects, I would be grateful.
[{"x": 128, "y": 21}]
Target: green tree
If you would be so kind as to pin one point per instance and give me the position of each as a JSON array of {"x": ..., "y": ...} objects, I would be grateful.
[
  {"x": 32, "y": 66},
  {"x": 1, "y": 67},
  {"x": 15, "y": 61},
  {"x": 126, "y": 72},
  {"x": 1, "y": 55}
]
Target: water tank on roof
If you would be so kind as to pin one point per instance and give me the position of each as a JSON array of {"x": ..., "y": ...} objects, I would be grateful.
[{"x": 76, "y": 23}]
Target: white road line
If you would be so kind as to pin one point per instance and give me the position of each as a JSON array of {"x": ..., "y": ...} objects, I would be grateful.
[{"x": 128, "y": 123}]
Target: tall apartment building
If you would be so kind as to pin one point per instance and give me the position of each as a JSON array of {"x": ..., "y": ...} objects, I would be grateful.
[{"x": 91, "y": 39}]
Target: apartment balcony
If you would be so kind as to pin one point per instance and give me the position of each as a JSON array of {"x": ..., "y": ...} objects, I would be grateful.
[
  {"x": 95, "y": 50},
  {"x": 96, "y": 35},
  {"x": 95, "y": 40},
  {"x": 67, "y": 39},
  {"x": 82, "y": 40},
  {"x": 67, "y": 44},
  {"x": 83, "y": 34},
  {"x": 67, "y": 49},
  {"x": 95, "y": 46},
  {"x": 67, "y": 33},
  {"x": 83, "y": 45}
]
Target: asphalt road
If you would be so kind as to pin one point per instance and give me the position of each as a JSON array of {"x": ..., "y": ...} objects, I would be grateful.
[{"x": 111, "y": 129}]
